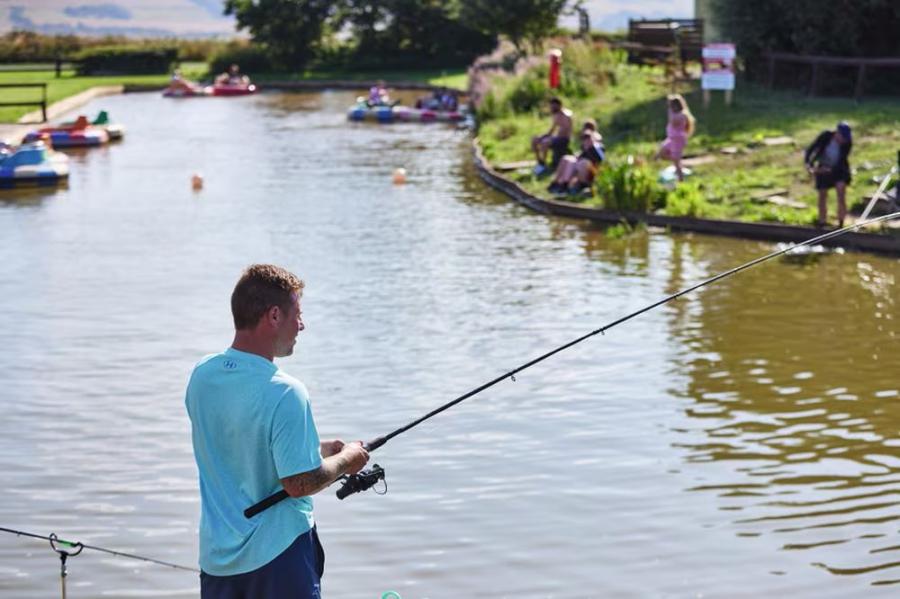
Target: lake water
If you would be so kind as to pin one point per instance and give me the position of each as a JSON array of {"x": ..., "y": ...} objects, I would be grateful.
[{"x": 739, "y": 442}]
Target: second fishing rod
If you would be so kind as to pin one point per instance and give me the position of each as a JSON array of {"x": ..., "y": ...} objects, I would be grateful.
[{"x": 366, "y": 479}]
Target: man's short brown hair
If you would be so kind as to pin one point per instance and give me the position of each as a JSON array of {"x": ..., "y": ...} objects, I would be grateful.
[{"x": 260, "y": 287}]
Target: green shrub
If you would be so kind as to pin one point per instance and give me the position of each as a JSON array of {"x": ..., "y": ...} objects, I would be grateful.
[
  {"x": 491, "y": 107},
  {"x": 628, "y": 186},
  {"x": 586, "y": 66},
  {"x": 687, "y": 199},
  {"x": 530, "y": 91},
  {"x": 126, "y": 60},
  {"x": 252, "y": 58}
]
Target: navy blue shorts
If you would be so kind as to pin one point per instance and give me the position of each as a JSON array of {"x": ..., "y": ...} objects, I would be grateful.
[{"x": 295, "y": 574}]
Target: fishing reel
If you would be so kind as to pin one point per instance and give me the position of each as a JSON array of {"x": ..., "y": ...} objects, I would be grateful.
[{"x": 362, "y": 481}]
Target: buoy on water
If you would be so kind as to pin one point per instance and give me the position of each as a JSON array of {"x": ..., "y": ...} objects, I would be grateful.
[
  {"x": 196, "y": 181},
  {"x": 399, "y": 176}
]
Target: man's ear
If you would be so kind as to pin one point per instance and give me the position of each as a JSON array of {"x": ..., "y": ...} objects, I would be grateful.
[{"x": 273, "y": 314}]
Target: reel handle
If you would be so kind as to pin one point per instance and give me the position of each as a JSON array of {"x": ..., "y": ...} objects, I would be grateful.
[{"x": 361, "y": 481}]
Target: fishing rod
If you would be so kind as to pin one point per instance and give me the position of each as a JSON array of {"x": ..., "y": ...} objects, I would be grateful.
[
  {"x": 366, "y": 479},
  {"x": 66, "y": 549}
]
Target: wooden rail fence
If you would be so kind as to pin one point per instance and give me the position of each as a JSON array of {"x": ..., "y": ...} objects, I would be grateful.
[
  {"x": 42, "y": 103},
  {"x": 816, "y": 62}
]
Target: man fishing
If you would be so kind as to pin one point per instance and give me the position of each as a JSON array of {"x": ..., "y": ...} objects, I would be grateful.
[{"x": 253, "y": 433}]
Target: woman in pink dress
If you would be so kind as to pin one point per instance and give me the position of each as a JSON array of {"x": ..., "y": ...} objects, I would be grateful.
[{"x": 679, "y": 128}]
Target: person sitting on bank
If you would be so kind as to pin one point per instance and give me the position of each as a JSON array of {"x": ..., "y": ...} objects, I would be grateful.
[
  {"x": 556, "y": 140},
  {"x": 680, "y": 126},
  {"x": 576, "y": 173},
  {"x": 827, "y": 160}
]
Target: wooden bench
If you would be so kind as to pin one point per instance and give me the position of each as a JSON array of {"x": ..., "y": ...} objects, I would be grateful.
[
  {"x": 42, "y": 103},
  {"x": 660, "y": 40}
]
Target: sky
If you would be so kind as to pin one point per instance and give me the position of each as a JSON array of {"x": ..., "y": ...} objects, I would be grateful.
[
  {"x": 204, "y": 17},
  {"x": 609, "y": 15}
]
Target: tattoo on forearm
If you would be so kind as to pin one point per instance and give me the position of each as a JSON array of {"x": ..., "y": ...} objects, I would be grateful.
[{"x": 309, "y": 483}]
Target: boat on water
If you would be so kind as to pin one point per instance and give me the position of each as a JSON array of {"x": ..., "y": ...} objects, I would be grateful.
[
  {"x": 79, "y": 134},
  {"x": 402, "y": 114},
  {"x": 32, "y": 164},
  {"x": 189, "y": 89},
  {"x": 115, "y": 131},
  {"x": 233, "y": 89}
]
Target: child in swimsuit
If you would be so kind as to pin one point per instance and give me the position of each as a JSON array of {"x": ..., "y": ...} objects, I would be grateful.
[{"x": 678, "y": 129}]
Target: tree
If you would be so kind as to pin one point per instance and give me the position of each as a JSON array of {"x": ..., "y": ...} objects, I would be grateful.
[
  {"x": 520, "y": 20},
  {"x": 291, "y": 30},
  {"x": 835, "y": 27},
  {"x": 412, "y": 33}
]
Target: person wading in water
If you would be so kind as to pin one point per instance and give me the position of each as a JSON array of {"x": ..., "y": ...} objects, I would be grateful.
[{"x": 253, "y": 433}]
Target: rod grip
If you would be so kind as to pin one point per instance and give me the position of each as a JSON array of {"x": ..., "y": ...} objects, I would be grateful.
[
  {"x": 265, "y": 503},
  {"x": 374, "y": 443}
]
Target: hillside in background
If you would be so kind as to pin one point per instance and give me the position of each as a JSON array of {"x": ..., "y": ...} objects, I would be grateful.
[{"x": 144, "y": 18}]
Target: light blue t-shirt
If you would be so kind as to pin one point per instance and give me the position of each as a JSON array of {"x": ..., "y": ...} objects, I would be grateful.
[{"x": 251, "y": 425}]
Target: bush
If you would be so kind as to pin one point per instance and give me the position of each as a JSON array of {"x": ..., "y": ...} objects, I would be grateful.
[
  {"x": 629, "y": 187},
  {"x": 529, "y": 91},
  {"x": 252, "y": 58},
  {"x": 122, "y": 60},
  {"x": 687, "y": 200},
  {"x": 865, "y": 28},
  {"x": 586, "y": 66}
]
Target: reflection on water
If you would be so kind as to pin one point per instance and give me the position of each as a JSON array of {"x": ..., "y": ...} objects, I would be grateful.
[
  {"x": 793, "y": 385},
  {"x": 736, "y": 442}
]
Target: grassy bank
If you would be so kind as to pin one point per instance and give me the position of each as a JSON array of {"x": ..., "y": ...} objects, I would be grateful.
[
  {"x": 628, "y": 104},
  {"x": 70, "y": 84}
]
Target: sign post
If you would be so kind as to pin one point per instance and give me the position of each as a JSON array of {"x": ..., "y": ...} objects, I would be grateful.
[{"x": 718, "y": 71}]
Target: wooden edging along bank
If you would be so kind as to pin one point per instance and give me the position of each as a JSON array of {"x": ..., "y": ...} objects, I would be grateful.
[{"x": 870, "y": 242}]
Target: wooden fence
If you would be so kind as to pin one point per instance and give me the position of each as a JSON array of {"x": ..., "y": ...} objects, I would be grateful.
[
  {"x": 42, "y": 103},
  {"x": 57, "y": 66},
  {"x": 817, "y": 62}
]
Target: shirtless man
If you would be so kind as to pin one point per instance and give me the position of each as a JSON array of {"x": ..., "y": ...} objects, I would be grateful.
[{"x": 555, "y": 140}]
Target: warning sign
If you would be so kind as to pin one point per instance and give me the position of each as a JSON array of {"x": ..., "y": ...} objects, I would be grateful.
[{"x": 718, "y": 66}]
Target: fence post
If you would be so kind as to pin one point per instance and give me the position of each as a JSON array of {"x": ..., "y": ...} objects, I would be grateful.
[
  {"x": 44, "y": 103},
  {"x": 771, "y": 71},
  {"x": 860, "y": 81},
  {"x": 814, "y": 83},
  {"x": 58, "y": 67}
]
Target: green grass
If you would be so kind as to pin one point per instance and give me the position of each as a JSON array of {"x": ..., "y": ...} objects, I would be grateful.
[
  {"x": 631, "y": 113},
  {"x": 70, "y": 84},
  {"x": 454, "y": 78}
]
